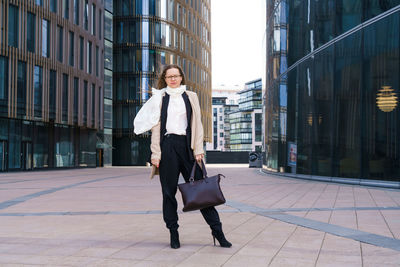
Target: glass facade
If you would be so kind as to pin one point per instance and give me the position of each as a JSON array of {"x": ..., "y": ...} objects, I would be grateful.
[
  {"x": 148, "y": 34},
  {"x": 46, "y": 120},
  {"x": 332, "y": 88}
]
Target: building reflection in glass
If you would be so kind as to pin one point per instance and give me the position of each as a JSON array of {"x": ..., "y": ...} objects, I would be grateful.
[{"x": 327, "y": 88}]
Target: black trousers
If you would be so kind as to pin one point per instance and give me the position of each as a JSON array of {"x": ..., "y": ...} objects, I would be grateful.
[{"x": 175, "y": 160}]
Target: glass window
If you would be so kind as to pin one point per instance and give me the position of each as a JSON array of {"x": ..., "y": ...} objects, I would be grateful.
[
  {"x": 13, "y": 26},
  {"x": 66, "y": 8},
  {"x": 76, "y": 12},
  {"x": 65, "y": 98},
  {"x": 3, "y": 85},
  {"x": 81, "y": 51},
  {"x": 39, "y": 2},
  {"x": 108, "y": 4},
  {"x": 89, "y": 57},
  {"x": 97, "y": 61},
  {"x": 108, "y": 31},
  {"x": 107, "y": 83},
  {"x": 93, "y": 19},
  {"x": 31, "y": 32},
  {"x": 100, "y": 17},
  {"x": 85, "y": 97},
  {"x": 60, "y": 52},
  {"x": 108, "y": 56},
  {"x": 38, "y": 90},
  {"x": 86, "y": 15},
  {"x": 53, "y": 6},
  {"x": 52, "y": 94},
  {"x": 45, "y": 38},
  {"x": 93, "y": 115},
  {"x": 76, "y": 99},
  {"x": 21, "y": 88},
  {"x": 71, "y": 49}
]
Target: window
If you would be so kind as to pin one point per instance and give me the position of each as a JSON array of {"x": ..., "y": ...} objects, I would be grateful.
[
  {"x": 45, "y": 38},
  {"x": 21, "y": 88},
  {"x": 3, "y": 78},
  {"x": 220, "y": 118},
  {"x": 13, "y": 26},
  {"x": 89, "y": 57},
  {"x": 93, "y": 103},
  {"x": 53, "y": 6},
  {"x": 108, "y": 54},
  {"x": 97, "y": 61},
  {"x": 52, "y": 94},
  {"x": 39, "y": 2},
  {"x": 65, "y": 98},
  {"x": 81, "y": 50},
  {"x": 60, "y": 43},
  {"x": 85, "y": 92},
  {"x": 76, "y": 12},
  {"x": 71, "y": 48},
  {"x": 86, "y": 15},
  {"x": 30, "y": 38},
  {"x": 66, "y": 8},
  {"x": 38, "y": 88},
  {"x": 76, "y": 99},
  {"x": 221, "y": 135},
  {"x": 100, "y": 16},
  {"x": 93, "y": 19}
]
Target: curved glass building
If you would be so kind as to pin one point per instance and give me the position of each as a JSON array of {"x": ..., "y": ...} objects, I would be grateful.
[
  {"x": 333, "y": 86},
  {"x": 51, "y": 83},
  {"x": 147, "y": 35}
]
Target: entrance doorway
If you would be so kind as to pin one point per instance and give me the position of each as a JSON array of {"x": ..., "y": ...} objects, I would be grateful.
[
  {"x": 3, "y": 156},
  {"x": 26, "y": 156}
]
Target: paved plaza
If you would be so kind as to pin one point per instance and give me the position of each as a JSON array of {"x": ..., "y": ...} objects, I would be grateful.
[{"x": 112, "y": 217}]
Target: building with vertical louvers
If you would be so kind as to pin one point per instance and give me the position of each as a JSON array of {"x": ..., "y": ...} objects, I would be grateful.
[{"x": 51, "y": 83}]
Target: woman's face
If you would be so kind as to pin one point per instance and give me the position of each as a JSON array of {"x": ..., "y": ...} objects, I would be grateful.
[{"x": 173, "y": 78}]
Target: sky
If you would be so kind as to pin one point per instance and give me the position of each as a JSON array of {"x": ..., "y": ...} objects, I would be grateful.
[{"x": 237, "y": 41}]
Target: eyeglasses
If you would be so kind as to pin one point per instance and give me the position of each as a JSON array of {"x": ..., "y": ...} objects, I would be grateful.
[{"x": 172, "y": 77}]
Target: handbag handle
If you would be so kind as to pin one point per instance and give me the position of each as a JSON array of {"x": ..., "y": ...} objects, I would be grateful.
[{"x": 203, "y": 170}]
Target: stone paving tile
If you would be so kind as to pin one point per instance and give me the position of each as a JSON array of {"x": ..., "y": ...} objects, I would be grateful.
[
  {"x": 141, "y": 239},
  {"x": 376, "y": 256}
]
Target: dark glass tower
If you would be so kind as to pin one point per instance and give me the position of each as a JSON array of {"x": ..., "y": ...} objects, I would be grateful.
[
  {"x": 332, "y": 88},
  {"x": 147, "y": 35}
]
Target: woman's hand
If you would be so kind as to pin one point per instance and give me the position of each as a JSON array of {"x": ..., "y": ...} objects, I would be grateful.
[
  {"x": 199, "y": 157},
  {"x": 155, "y": 162}
]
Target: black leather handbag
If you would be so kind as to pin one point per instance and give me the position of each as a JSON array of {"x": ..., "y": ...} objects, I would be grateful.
[{"x": 202, "y": 193}]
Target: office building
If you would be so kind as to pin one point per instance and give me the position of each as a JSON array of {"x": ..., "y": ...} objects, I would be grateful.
[
  {"x": 148, "y": 35},
  {"x": 245, "y": 123},
  {"x": 332, "y": 89},
  {"x": 51, "y": 83}
]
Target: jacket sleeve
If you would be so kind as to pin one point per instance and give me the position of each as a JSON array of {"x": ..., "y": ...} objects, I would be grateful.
[
  {"x": 155, "y": 142},
  {"x": 197, "y": 128}
]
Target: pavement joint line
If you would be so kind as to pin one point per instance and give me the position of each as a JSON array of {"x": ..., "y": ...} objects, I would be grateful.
[
  {"x": 365, "y": 237},
  {"x": 18, "y": 200}
]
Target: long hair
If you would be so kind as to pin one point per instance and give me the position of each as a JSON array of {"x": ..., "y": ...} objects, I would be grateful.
[{"x": 161, "y": 80}]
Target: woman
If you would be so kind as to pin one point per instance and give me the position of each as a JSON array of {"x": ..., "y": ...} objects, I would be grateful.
[{"x": 176, "y": 142}]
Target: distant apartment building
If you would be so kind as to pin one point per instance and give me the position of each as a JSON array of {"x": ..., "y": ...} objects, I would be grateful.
[
  {"x": 246, "y": 122},
  {"x": 223, "y": 98}
]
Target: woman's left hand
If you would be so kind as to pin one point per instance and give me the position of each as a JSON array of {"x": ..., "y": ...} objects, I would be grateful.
[{"x": 199, "y": 157}]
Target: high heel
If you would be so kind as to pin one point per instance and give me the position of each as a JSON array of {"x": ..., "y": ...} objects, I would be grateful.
[
  {"x": 174, "y": 241},
  {"x": 219, "y": 235}
]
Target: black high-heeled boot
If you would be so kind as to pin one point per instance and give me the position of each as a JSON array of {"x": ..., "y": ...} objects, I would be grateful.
[
  {"x": 219, "y": 235},
  {"x": 174, "y": 239}
]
